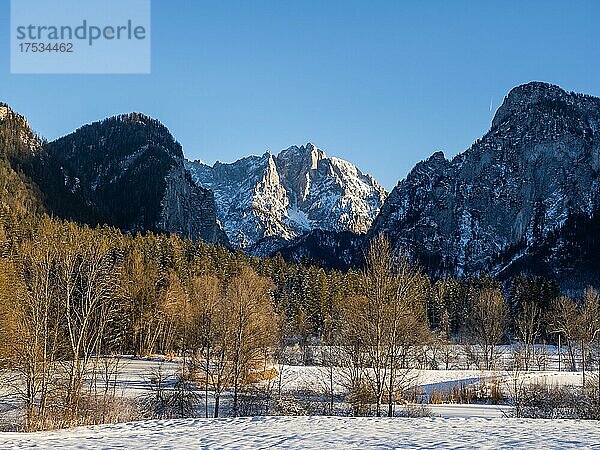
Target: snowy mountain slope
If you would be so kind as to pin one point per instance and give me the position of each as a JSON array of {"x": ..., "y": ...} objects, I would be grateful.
[
  {"x": 288, "y": 195},
  {"x": 537, "y": 166}
]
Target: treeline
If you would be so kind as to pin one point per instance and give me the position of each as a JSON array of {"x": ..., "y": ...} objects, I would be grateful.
[{"x": 71, "y": 294}]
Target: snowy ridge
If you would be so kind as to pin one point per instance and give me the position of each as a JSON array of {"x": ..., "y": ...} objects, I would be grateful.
[{"x": 287, "y": 195}]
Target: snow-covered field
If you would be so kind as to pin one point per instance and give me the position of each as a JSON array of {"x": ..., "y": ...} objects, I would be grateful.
[
  {"x": 318, "y": 433},
  {"x": 134, "y": 374},
  {"x": 296, "y": 377},
  {"x": 452, "y": 425}
]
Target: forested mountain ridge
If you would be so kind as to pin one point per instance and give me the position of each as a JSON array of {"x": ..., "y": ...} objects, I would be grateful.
[
  {"x": 125, "y": 171},
  {"x": 522, "y": 199}
]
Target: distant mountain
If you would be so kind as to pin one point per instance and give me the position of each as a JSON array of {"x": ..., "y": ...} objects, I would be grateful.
[
  {"x": 510, "y": 197},
  {"x": 126, "y": 171},
  {"x": 284, "y": 197},
  {"x": 524, "y": 198}
]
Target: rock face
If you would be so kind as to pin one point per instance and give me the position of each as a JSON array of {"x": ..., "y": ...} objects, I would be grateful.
[
  {"x": 17, "y": 134},
  {"x": 507, "y": 195},
  {"x": 18, "y": 145},
  {"x": 280, "y": 198},
  {"x": 188, "y": 210},
  {"x": 127, "y": 171}
]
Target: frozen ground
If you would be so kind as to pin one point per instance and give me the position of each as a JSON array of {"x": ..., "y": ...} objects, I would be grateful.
[
  {"x": 318, "y": 433},
  {"x": 454, "y": 426},
  {"x": 134, "y": 374}
]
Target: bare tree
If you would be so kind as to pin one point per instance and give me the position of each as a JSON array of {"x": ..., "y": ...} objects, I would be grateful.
[
  {"x": 33, "y": 320},
  {"x": 564, "y": 319},
  {"x": 87, "y": 275},
  {"x": 388, "y": 317},
  {"x": 527, "y": 330},
  {"x": 144, "y": 283},
  {"x": 206, "y": 299},
  {"x": 487, "y": 322},
  {"x": 407, "y": 326},
  {"x": 589, "y": 326},
  {"x": 219, "y": 365},
  {"x": 378, "y": 288},
  {"x": 353, "y": 355},
  {"x": 253, "y": 319}
]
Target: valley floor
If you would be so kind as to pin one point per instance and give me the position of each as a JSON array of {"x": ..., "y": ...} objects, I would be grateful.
[
  {"x": 451, "y": 425},
  {"x": 318, "y": 433}
]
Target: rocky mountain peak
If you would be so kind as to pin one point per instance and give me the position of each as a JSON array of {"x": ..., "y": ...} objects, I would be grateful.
[
  {"x": 537, "y": 166},
  {"x": 524, "y": 97},
  {"x": 436, "y": 160},
  {"x": 427, "y": 172},
  {"x": 18, "y": 147},
  {"x": 285, "y": 196},
  {"x": 25, "y": 142},
  {"x": 306, "y": 157},
  {"x": 4, "y": 111},
  {"x": 138, "y": 131},
  {"x": 438, "y": 157},
  {"x": 8, "y": 115},
  {"x": 543, "y": 102},
  {"x": 139, "y": 118}
]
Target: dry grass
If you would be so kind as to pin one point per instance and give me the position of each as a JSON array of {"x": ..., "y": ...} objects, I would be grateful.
[{"x": 264, "y": 375}]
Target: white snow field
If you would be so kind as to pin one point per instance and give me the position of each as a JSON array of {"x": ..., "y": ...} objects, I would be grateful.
[
  {"x": 133, "y": 381},
  {"x": 318, "y": 433},
  {"x": 134, "y": 374},
  {"x": 452, "y": 425}
]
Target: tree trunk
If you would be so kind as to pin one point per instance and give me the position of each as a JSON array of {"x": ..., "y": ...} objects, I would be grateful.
[
  {"x": 217, "y": 398},
  {"x": 206, "y": 381}
]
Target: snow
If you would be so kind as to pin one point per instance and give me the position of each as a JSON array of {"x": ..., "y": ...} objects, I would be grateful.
[
  {"x": 299, "y": 378},
  {"x": 318, "y": 433},
  {"x": 451, "y": 425},
  {"x": 299, "y": 190},
  {"x": 299, "y": 217},
  {"x": 470, "y": 411},
  {"x": 134, "y": 374}
]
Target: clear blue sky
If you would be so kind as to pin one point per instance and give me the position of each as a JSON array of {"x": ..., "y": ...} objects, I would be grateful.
[{"x": 383, "y": 84}]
